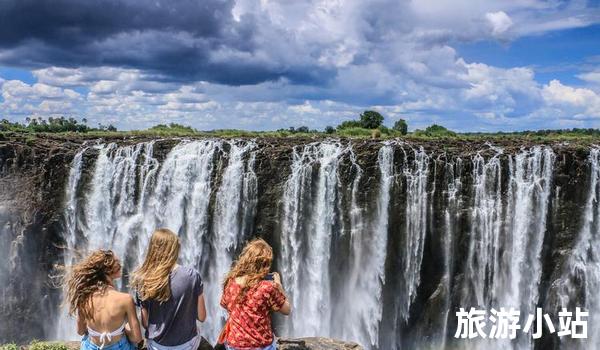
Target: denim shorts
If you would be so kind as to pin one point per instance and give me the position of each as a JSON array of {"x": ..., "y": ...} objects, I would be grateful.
[
  {"x": 270, "y": 347},
  {"x": 122, "y": 344}
]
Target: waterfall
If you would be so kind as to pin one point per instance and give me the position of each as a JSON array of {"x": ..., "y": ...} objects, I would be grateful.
[
  {"x": 485, "y": 229},
  {"x": 453, "y": 179},
  {"x": 235, "y": 197},
  {"x": 369, "y": 252},
  {"x": 356, "y": 225},
  {"x": 580, "y": 282},
  {"x": 529, "y": 192},
  {"x": 503, "y": 265},
  {"x": 65, "y": 326},
  {"x": 311, "y": 301},
  {"x": 416, "y": 175},
  {"x": 111, "y": 202},
  {"x": 180, "y": 198},
  {"x": 130, "y": 194}
]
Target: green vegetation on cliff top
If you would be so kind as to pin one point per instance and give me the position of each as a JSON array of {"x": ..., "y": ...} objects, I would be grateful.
[
  {"x": 36, "y": 345},
  {"x": 369, "y": 125}
]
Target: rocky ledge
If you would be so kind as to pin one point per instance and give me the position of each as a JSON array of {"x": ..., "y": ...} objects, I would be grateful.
[{"x": 310, "y": 343}]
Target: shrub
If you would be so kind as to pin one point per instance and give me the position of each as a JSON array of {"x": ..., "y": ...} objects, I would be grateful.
[
  {"x": 47, "y": 345},
  {"x": 435, "y": 131},
  {"x": 11, "y": 346},
  {"x": 401, "y": 126},
  {"x": 348, "y": 124},
  {"x": 173, "y": 128},
  {"x": 438, "y": 130},
  {"x": 385, "y": 130},
  {"x": 329, "y": 129},
  {"x": 371, "y": 119},
  {"x": 354, "y": 132}
]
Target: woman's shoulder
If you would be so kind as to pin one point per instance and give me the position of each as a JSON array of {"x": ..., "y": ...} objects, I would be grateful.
[
  {"x": 266, "y": 285},
  {"x": 124, "y": 297},
  {"x": 187, "y": 271}
]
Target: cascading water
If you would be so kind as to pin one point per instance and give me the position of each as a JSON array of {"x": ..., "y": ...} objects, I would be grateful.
[
  {"x": 416, "y": 176},
  {"x": 453, "y": 181},
  {"x": 581, "y": 278},
  {"x": 486, "y": 225},
  {"x": 348, "y": 228},
  {"x": 235, "y": 200},
  {"x": 504, "y": 264},
  {"x": 369, "y": 252},
  {"x": 311, "y": 301},
  {"x": 129, "y": 197},
  {"x": 65, "y": 325}
]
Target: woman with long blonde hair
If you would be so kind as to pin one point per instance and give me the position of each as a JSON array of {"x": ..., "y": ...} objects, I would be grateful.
[
  {"x": 170, "y": 296},
  {"x": 250, "y": 294},
  {"x": 106, "y": 318}
]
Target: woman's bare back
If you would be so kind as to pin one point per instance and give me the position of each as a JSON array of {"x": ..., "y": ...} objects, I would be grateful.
[{"x": 110, "y": 312}]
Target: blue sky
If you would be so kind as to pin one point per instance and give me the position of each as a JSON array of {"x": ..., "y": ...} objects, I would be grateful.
[{"x": 471, "y": 65}]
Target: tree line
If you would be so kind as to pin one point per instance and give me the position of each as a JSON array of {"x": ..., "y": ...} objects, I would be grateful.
[{"x": 53, "y": 125}]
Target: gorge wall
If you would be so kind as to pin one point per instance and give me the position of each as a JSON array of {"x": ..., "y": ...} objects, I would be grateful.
[{"x": 378, "y": 242}]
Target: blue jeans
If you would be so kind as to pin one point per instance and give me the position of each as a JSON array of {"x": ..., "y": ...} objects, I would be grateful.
[
  {"x": 122, "y": 344},
  {"x": 270, "y": 347}
]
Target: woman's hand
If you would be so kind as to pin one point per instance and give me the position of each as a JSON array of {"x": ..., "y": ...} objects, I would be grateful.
[{"x": 277, "y": 278}]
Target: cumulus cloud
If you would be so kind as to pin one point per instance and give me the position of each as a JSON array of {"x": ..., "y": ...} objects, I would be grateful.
[
  {"x": 37, "y": 99},
  {"x": 268, "y": 64},
  {"x": 582, "y": 102},
  {"x": 499, "y": 21},
  {"x": 590, "y": 77}
]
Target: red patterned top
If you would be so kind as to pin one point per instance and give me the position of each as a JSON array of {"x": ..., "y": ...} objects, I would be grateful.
[{"x": 250, "y": 321}]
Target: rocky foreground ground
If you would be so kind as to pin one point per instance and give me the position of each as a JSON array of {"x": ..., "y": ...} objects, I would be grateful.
[{"x": 314, "y": 343}]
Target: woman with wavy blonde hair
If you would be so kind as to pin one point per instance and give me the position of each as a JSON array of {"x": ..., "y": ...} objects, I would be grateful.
[
  {"x": 170, "y": 296},
  {"x": 105, "y": 317},
  {"x": 250, "y": 294}
]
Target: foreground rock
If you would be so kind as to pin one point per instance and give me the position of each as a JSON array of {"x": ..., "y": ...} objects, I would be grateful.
[
  {"x": 312, "y": 343},
  {"x": 316, "y": 343}
]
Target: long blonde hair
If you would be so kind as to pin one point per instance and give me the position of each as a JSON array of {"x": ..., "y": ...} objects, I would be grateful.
[
  {"x": 90, "y": 276},
  {"x": 254, "y": 263},
  {"x": 151, "y": 280}
]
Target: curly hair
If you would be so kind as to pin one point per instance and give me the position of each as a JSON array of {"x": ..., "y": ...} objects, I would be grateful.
[
  {"x": 254, "y": 263},
  {"x": 90, "y": 276},
  {"x": 151, "y": 280}
]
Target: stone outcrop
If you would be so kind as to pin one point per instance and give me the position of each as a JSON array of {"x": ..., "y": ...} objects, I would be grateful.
[{"x": 283, "y": 344}]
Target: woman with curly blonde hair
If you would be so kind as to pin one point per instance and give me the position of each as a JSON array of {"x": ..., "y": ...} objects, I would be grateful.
[
  {"x": 105, "y": 317},
  {"x": 171, "y": 296},
  {"x": 250, "y": 294}
]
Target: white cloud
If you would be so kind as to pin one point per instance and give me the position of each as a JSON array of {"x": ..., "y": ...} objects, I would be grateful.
[
  {"x": 19, "y": 98},
  {"x": 397, "y": 56},
  {"x": 590, "y": 77},
  {"x": 581, "y": 102},
  {"x": 499, "y": 21}
]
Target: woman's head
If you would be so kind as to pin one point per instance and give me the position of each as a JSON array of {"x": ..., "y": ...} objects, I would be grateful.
[
  {"x": 92, "y": 275},
  {"x": 151, "y": 280},
  {"x": 254, "y": 263}
]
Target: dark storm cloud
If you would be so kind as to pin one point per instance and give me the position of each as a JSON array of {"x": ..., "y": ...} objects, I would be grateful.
[{"x": 181, "y": 40}]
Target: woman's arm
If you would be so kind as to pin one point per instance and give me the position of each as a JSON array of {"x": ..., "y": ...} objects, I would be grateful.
[
  {"x": 286, "y": 308},
  {"x": 144, "y": 313},
  {"x": 81, "y": 326},
  {"x": 201, "y": 308},
  {"x": 133, "y": 331}
]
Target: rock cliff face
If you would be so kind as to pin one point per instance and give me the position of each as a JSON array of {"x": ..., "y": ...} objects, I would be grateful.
[{"x": 378, "y": 242}]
